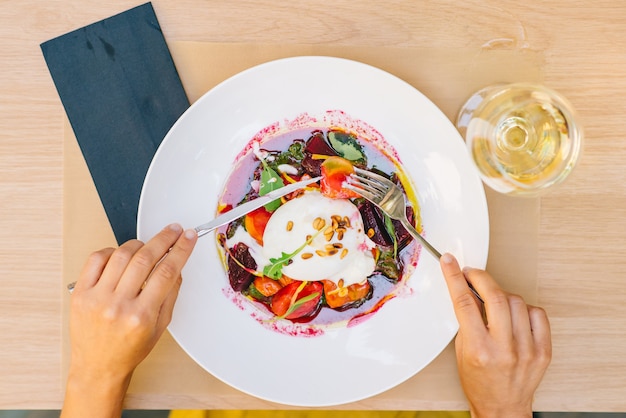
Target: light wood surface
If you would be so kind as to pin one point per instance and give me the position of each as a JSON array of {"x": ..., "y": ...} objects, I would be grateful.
[
  {"x": 580, "y": 260},
  {"x": 202, "y": 65}
]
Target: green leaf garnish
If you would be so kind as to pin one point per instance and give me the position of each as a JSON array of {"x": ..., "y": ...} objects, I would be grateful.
[
  {"x": 391, "y": 230},
  {"x": 388, "y": 266},
  {"x": 274, "y": 270},
  {"x": 270, "y": 181},
  {"x": 296, "y": 150},
  {"x": 346, "y": 146}
]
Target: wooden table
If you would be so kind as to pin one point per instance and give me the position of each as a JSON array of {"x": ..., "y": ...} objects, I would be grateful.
[{"x": 580, "y": 259}]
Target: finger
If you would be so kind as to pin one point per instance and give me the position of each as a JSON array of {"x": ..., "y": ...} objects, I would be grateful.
[
  {"x": 117, "y": 264},
  {"x": 93, "y": 268},
  {"x": 167, "y": 272},
  {"x": 540, "y": 328},
  {"x": 520, "y": 321},
  {"x": 146, "y": 259},
  {"x": 467, "y": 311},
  {"x": 497, "y": 310},
  {"x": 165, "y": 314}
]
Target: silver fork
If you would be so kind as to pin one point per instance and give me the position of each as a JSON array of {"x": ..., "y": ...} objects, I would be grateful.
[
  {"x": 384, "y": 193},
  {"x": 388, "y": 197}
]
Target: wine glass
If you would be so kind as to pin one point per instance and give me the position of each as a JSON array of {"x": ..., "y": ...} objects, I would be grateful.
[{"x": 523, "y": 137}]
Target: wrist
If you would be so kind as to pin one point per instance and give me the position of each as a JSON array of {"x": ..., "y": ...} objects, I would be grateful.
[
  {"x": 95, "y": 395},
  {"x": 499, "y": 412},
  {"x": 83, "y": 378}
]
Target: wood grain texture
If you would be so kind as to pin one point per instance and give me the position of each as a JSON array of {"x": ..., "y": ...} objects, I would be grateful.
[
  {"x": 581, "y": 262},
  {"x": 440, "y": 73}
]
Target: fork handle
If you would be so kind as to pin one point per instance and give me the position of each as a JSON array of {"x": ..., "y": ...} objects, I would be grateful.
[{"x": 407, "y": 225}]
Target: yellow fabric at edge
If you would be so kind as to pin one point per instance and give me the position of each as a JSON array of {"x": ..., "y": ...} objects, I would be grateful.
[{"x": 316, "y": 414}]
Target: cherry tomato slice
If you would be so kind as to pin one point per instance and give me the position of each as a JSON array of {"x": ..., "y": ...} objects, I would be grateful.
[{"x": 284, "y": 300}]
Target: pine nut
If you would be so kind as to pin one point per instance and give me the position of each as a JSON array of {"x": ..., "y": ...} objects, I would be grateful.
[
  {"x": 319, "y": 223},
  {"x": 329, "y": 233}
]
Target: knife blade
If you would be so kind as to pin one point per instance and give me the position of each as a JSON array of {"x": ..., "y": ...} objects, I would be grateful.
[{"x": 248, "y": 207}]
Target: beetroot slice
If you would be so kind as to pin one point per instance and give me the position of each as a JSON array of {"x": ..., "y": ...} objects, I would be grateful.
[
  {"x": 240, "y": 279},
  {"x": 316, "y": 145},
  {"x": 402, "y": 235},
  {"x": 373, "y": 222},
  {"x": 373, "y": 219}
]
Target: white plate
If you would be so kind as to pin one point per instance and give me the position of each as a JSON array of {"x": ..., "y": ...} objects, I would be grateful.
[{"x": 346, "y": 364}]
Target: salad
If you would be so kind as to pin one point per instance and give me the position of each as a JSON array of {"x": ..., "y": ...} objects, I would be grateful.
[{"x": 323, "y": 254}]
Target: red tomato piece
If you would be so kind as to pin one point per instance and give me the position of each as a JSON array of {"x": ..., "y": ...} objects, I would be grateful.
[{"x": 293, "y": 294}]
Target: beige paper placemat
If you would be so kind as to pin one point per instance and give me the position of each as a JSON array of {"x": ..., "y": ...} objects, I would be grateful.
[{"x": 169, "y": 378}]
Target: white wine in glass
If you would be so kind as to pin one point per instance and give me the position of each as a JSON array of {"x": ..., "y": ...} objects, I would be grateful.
[{"x": 523, "y": 138}]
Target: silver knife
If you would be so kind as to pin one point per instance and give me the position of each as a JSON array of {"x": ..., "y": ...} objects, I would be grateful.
[
  {"x": 241, "y": 210},
  {"x": 248, "y": 207}
]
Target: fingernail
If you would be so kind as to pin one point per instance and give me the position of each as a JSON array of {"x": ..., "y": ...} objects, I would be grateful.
[
  {"x": 175, "y": 227},
  {"x": 191, "y": 233},
  {"x": 447, "y": 258}
]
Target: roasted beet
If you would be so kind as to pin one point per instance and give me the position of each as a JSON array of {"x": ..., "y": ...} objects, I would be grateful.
[
  {"x": 402, "y": 235},
  {"x": 239, "y": 277},
  {"x": 374, "y": 224},
  {"x": 373, "y": 219},
  {"x": 316, "y": 145}
]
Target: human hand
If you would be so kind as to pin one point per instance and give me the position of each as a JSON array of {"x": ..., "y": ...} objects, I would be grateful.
[
  {"x": 503, "y": 357},
  {"x": 121, "y": 304}
]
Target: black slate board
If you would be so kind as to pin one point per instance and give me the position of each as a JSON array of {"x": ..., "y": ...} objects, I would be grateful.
[{"x": 122, "y": 93}]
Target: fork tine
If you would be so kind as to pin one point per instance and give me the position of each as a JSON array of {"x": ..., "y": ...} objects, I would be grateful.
[
  {"x": 369, "y": 196},
  {"x": 379, "y": 182},
  {"x": 361, "y": 188},
  {"x": 371, "y": 186},
  {"x": 364, "y": 174}
]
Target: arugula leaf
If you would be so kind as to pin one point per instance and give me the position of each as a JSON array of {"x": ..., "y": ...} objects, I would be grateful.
[
  {"x": 270, "y": 181},
  {"x": 391, "y": 230},
  {"x": 274, "y": 270},
  {"x": 296, "y": 150},
  {"x": 346, "y": 146},
  {"x": 292, "y": 156},
  {"x": 388, "y": 266}
]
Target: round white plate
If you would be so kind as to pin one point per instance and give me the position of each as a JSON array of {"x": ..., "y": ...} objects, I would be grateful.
[{"x": 346, "y": 364}]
